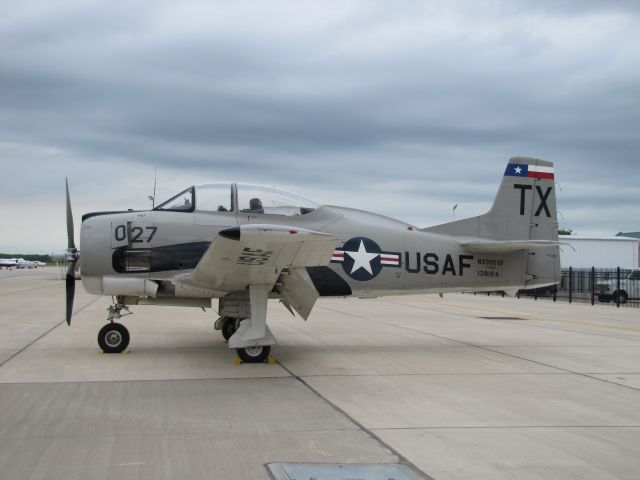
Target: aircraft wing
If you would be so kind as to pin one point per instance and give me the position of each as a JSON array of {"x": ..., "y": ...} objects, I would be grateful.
[
  {"x": 257, "y": 254},
  {"x": 496, "y": 246}
]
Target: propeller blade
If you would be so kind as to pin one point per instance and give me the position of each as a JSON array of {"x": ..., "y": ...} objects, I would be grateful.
[
  {"x": 71, "y": 257},
  {"x": 71, "y": 289},
  {"x": 71, "y": 243}
]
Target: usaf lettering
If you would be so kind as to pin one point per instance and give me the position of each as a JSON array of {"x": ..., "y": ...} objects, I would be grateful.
[{"x": 432, "y": 265}]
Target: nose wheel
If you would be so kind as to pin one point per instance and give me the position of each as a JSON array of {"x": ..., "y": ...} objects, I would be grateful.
[{"x": 113, "y": 338}]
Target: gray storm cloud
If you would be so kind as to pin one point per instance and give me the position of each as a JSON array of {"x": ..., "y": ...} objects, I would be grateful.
[{"x": 403, "y": 107}]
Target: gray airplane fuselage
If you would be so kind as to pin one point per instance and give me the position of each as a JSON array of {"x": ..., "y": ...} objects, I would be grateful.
[{"x": 377, "y": 255}]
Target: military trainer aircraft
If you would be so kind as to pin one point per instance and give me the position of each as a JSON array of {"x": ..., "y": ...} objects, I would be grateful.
[{"x": 245, "y": 244}]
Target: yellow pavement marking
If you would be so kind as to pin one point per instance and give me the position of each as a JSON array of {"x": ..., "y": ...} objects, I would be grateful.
[{"x": 271, "y": 360}]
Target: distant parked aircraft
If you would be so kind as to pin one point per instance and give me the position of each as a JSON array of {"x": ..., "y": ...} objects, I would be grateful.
[
  {"x": 22, "y": 263},
  {"x": 8, "y": 262}
]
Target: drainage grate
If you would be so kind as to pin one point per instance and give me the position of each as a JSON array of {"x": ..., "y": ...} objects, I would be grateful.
[
  {"x": 341, "y": 471},
  {"x": 502, "y": 318}
]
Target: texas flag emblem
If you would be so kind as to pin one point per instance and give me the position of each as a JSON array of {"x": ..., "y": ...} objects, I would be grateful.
[{"x": 529, "y": 171}]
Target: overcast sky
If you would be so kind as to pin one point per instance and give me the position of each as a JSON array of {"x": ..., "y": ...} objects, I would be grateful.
[{"x": 400, "y": 107}]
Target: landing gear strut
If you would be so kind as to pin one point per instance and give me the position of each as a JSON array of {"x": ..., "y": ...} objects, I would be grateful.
[
  {"x": 253, "y": 339},
  {"x": 249, "y": 354},
  {"x": 243, "y": 322}
]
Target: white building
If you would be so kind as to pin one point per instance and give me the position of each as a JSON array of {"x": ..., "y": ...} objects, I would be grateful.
[{"x": 600, "y": 252}]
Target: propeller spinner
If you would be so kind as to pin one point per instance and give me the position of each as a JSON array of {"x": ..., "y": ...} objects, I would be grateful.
[{"x": 71, "y": 258}]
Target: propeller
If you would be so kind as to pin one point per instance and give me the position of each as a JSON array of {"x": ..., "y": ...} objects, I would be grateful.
[{"x": 71, "y": 258}]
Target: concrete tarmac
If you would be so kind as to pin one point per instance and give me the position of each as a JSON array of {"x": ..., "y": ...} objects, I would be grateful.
[{"x": 458, "y": 387}]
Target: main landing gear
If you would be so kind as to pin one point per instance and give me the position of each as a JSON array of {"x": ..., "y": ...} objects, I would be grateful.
[
  {"x": 114, "y": 337},
  {"x": 243, "y": 323},
  {"x": 250, "y": 354}
]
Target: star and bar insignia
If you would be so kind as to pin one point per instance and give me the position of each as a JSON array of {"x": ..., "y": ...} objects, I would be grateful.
[{"x": 362, "y": 259}]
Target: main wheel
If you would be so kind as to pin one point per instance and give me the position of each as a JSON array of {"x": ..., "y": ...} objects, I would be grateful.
[
  {"x": 622, "y": 295},
  {"x": 228, "y": 327},
  {"x": 113, "y": 338},
  {"x": 254, "y": 354}
]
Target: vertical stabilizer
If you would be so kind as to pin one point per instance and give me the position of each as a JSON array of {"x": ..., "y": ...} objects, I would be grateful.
[{"x": 523, "y": 210}]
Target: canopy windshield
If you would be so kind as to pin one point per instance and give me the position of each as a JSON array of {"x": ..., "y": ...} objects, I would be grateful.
[
  {"x": 256, "y": 199},
  {"x": 272, "y": 200},
  {"x": 182, "y": 202},
  {"x": 214, "y": 197}
]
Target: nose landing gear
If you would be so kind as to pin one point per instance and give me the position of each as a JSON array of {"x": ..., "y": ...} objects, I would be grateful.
[{"x": 114, "y": 337}]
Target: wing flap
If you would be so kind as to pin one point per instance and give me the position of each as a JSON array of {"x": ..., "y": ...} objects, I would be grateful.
[{"x": 299, "y": 292}]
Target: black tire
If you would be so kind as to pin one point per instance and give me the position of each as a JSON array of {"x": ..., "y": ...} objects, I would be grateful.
[
  {"x": 623, "y": 297},
  {"x": 228, "y": 327},
  {"x": 254, "y": 354},
  {"x": 113, "y": 338}
]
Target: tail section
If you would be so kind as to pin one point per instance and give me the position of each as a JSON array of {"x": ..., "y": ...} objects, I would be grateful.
[{"x": 523, "y": 217}]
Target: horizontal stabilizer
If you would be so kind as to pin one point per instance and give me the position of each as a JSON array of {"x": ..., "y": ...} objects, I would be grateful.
[{"x": 496, "y": 246}]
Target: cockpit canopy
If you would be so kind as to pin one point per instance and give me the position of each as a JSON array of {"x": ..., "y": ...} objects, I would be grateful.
[{"x": 238, "y": 198}]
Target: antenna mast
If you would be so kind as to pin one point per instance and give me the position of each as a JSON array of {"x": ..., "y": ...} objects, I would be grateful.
[
  {"x": 155, "y": 178},
  {"x": 153, "y": 197}
]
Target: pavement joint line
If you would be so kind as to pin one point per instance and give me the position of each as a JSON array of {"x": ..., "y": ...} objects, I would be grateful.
[
  {"x": 44, "y": 334},
  {"x": 312, "y": 375},
  {"x": 276, "y": 377},
  {"x": 467, "y": 374},
  {"x": 401, "y": 458},
  {"x": 146, "y": 380},
  {"x": 504, "y": 427},
  {"x": 27, "y": 290},
  {"x": 135, "y": 350},
  {"x": 564, "y": 346},
  {"x": 418, "y": 346},
  {"x": 173, "y": 434},
  {"x": 492, "y": 350}
]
